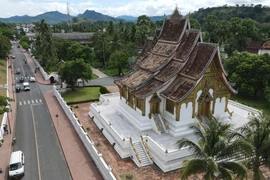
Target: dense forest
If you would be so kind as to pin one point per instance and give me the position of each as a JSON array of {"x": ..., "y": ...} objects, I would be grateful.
[{"x": 258, "y": 13}]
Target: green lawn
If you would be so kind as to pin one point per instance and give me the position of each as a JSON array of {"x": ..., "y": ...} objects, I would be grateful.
[
  {"x": 112, "y": 72},
  {"x": 3, "y": 80},
  {"x": 84, "y": 94},
  {"x": 94, "y": 76},
  {"x": 257, "y": 103}
]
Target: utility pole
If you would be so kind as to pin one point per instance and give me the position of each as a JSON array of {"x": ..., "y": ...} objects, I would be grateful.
[{"x": 69, "y": 22}]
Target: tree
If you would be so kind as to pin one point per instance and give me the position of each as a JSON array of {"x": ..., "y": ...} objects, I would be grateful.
[
  {"x": 256, "y": 133},
  {"x": 100, "y": 45},
  {"x": 4, "y": 45},
  {"x": 118, "y": 60},
  {"x": 44, "y": 46},
  {"x": 144, "y": 20},
  {"x": 71, "y": 71},
  {"x": 214, "y": 146},
  {"x": 250, "y": 72},
  {"x": 241, "y": 31},
  {"x": 212, "y": 27},
  {"x": 195, "y": 24},
  {"x": 110, "y": 28},
  {"x": 115, "y": 42}
]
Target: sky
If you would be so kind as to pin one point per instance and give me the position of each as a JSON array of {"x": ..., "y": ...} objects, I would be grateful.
[{"x": 113, "y": 8}]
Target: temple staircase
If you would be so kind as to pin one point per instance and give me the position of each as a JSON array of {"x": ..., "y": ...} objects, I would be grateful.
[
  {"x": 143, "y": 157},
  {"x": 160, "y": 123}
]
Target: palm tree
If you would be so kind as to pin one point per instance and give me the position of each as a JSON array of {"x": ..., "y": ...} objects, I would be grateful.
[
  {"x": 256, "y": 133},
  {"x": 115, "y": 43},
  {"x": 214, "y": 146},
  {"x": 44, "y": 44}
]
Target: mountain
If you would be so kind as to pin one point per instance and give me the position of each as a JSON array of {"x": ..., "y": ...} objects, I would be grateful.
[
  {"x": 96, "y": 16},
  {"x": 133, "y": 19},
  {"x": 55, "y": 17},
  {"x": 127, "y": 18},
  {"x": 52, "y": 17}
]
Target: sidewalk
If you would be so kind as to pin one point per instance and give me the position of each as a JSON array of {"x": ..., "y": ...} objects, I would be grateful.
[
  {"x": 98, "y": 73},
  {"x": 6, "y": 148}
]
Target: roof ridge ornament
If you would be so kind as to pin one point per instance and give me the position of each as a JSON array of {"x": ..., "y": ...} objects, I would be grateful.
[{"x": 176, "y": 15}]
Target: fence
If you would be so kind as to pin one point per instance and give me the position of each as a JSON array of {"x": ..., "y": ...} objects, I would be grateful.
[{"x": 104, "y": 169}]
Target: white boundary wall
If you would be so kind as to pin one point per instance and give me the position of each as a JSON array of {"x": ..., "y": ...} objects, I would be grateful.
[
  {"x": 104, "y": 169},
  {"x": 44, "y": 74},
  {"x": 4, "y": 119}
]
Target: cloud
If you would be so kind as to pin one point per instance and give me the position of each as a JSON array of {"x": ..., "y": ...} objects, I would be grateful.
[{"x": 121, "y": 7}]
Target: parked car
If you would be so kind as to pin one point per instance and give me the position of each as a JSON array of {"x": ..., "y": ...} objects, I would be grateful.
[
  {"x": 18, "y": 71},
  {"x": 13, "y": 57},
  {"x": 17, "y": 87},
  {"x": 16, "y": 165},
  {"x": 32, "y": 79},
  {"x": 26, "y": 86},
  {"x": 21, "y": 79}
]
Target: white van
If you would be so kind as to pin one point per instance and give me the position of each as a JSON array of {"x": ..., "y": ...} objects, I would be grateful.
[
  {"x": 16, "y": 165},
  {"x": 26, "y": 86}
]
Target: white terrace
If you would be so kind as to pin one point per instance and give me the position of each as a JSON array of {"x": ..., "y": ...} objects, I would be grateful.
[{"x": 113, "y": 117}]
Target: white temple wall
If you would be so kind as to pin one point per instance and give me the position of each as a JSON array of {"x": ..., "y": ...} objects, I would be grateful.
[
  {"x": 161, "y": 106},
  {"x": 263, "y": 51},
  {"x": 220, "y": 107},
  {"x": 186, "y": 112},
  {"x": 139, "y": 111}
]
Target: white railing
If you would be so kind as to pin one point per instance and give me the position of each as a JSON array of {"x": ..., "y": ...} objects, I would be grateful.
[
  {"x": 104, "y": 169},
  {"x": 242, "y": 106}
]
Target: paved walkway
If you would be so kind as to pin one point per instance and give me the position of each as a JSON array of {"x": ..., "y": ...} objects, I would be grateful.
[
  {"x": 79, "y": 161},
  {"x": 6, "y": 148},
  {"x": 98, "y": 73}
]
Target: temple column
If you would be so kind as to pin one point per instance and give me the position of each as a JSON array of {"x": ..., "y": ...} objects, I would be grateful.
[{"x": 178, "y": 108}]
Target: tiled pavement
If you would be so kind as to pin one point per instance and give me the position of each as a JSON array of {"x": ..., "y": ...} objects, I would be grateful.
[{"x": 79, "y": 161}]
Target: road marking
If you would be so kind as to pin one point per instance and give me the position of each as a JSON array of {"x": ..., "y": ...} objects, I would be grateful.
[
  {"x": 35, "y": 134},
  {"x": 32, "y": 102}
]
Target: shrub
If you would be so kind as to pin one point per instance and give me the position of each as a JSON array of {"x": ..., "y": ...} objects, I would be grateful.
[{"x": 103, "y": 90}]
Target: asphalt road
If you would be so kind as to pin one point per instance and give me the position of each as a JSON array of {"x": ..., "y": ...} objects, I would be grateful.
[{"x": 35, "y": 133}]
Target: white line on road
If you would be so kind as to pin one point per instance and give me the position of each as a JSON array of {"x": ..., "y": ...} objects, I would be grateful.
[
  {"x": 35, "y": 134},
  {"x": 36, "y": 101},
  {"x": 24, "y": 102},
  {"x": 20, "y": 103},
  {"x": 40, "y": 100},
  {"x": 28, "y": 102},
  {"x": 33, "y": 101}
]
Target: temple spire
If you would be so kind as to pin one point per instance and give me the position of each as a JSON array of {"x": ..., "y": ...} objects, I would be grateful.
[{"x": 176, "y": 15}]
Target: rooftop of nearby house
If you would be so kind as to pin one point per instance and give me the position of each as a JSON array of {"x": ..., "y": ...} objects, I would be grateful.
[{"x": 255, "y": 45}]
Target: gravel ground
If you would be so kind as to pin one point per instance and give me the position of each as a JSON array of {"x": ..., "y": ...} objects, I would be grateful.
[{"x": 121, "y": 167}]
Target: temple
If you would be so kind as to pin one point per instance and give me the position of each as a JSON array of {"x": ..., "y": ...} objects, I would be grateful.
[{"x": 177, "y": 80}]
